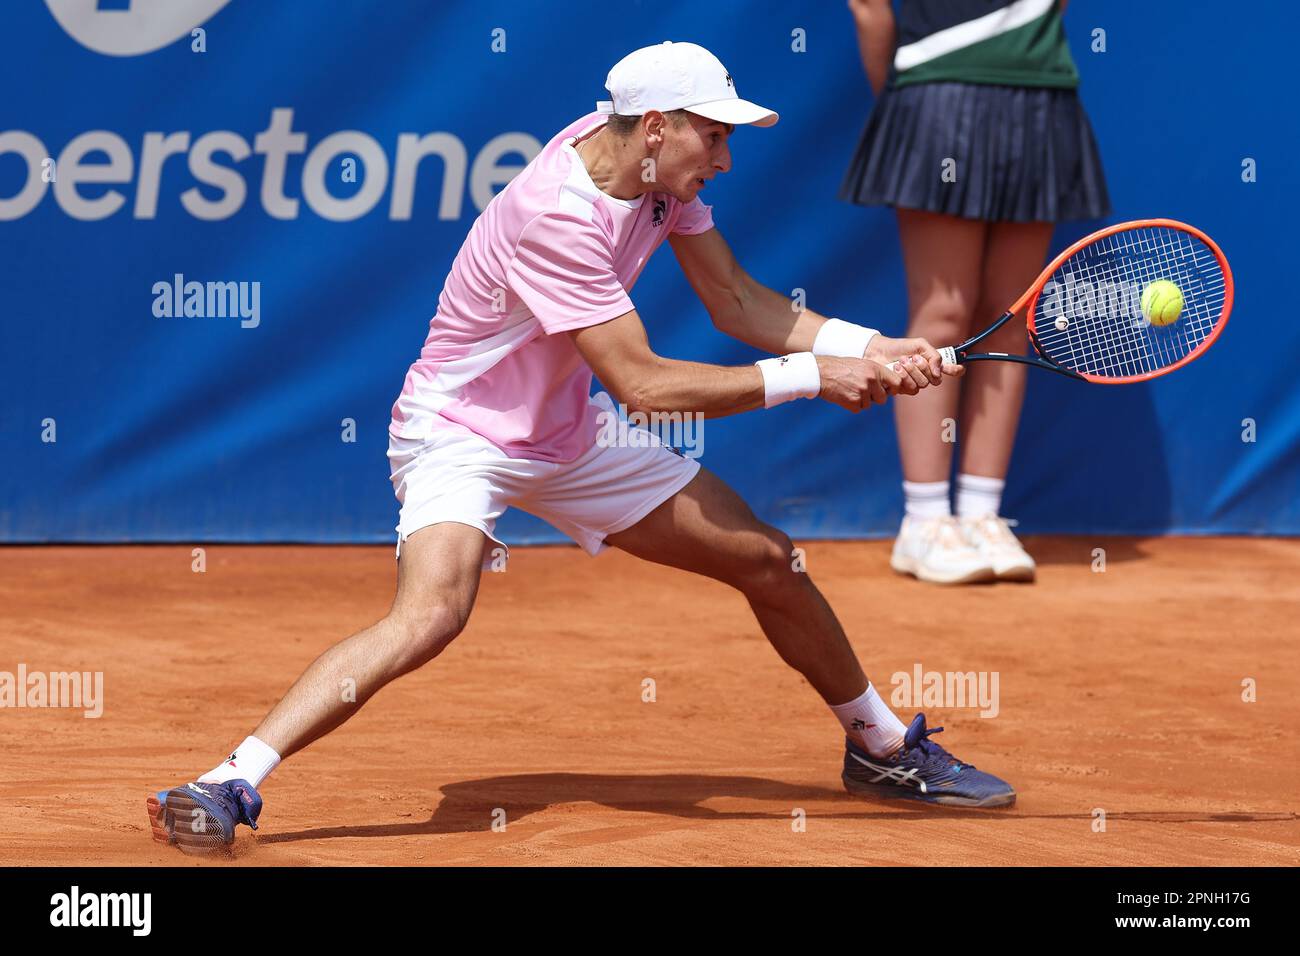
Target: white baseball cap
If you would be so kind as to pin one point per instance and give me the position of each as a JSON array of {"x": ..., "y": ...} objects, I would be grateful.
[{"x": 679, "y": 76}]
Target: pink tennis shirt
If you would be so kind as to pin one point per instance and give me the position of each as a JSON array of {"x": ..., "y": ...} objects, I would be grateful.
[{"x": 549, "y": 254}]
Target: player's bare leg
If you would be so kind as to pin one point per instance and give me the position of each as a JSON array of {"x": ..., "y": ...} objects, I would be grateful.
[
  {"x": 437, "y": 581},
  {"x": 992, "y": 398},
  {"x": 708, "y": 529}
]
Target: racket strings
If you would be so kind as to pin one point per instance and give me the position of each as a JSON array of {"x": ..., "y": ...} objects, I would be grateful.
[{"x": 1088, "y": 317}]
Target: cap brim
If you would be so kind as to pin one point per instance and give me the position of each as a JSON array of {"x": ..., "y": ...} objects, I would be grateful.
[{"x": 737, "y": 112}]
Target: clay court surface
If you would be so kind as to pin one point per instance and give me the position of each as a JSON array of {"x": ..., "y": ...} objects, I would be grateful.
[{"x": 1119, "y": 690}]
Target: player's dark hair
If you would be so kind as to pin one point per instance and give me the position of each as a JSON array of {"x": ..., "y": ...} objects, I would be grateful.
[{"x": 624, "y": 126}]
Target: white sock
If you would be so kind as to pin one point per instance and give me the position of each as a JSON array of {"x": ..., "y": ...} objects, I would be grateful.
[
  {"x": 252, "y": 761},
  {"x": 977, "y": 495},
  {"x": 869, "y": 721},
  {"x": 926, "y": 499}
]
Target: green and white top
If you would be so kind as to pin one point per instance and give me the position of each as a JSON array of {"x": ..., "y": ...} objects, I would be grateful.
[{"x": 1005, "y": 42}]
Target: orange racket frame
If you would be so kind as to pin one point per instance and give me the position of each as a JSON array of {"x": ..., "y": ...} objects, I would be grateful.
[{"x": 960, "y": 354}]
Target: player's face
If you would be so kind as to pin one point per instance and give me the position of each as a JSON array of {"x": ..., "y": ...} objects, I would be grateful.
[{"x": 692, "y": 154}]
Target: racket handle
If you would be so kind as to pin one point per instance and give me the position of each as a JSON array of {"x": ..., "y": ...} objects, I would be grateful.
[{"x": 947, "y": 353}]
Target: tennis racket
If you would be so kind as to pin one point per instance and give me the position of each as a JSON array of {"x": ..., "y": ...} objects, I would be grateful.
[{"x": 1093, "y": 314}]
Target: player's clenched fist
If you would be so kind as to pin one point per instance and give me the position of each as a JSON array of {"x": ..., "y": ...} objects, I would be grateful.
[
  {"x": 926, "y": 361},
  {"x": 857, "y": 383}
]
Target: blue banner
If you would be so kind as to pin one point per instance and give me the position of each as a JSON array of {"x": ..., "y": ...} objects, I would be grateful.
[{"x": 226, "y": 224}]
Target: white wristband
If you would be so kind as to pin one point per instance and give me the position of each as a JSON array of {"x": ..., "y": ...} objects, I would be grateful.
[
  {"x": 790, "y": 376},
  {"x": 843, "y": 339}
]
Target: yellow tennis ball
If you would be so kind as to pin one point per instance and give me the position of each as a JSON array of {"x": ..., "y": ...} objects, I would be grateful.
[{"x": 1162, "y": 302}]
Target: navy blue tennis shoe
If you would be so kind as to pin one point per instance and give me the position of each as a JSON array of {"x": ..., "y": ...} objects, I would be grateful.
[
  {"x": 201, "y": 817},
  {"x": 923, "y": 770}
]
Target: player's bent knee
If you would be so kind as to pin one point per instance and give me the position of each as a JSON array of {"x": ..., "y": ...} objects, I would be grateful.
[
  {"x": 775, "y": 569},
  {"x": 425, "y": 635}
]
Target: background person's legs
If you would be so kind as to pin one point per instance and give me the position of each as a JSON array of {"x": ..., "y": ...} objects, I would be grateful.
[
  {"x": 992, "y": 398},
  {"x": 942, "y": 256},
  {"x": 437, "y": 581}
]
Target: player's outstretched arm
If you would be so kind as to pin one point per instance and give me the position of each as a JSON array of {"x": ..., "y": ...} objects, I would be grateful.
[
  {"x": 751, "y": 312},
  {"x": 619, "y": 352}
]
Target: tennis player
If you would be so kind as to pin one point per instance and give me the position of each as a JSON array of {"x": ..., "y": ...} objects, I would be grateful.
[{"x": 496, "y": 413}]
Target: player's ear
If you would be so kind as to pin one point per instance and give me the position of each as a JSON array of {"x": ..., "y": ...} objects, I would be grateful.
[{"x": 653, "y": 124}]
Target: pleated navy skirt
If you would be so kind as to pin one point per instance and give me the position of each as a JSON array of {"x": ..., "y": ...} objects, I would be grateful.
[{"x": 998, "y": 153}]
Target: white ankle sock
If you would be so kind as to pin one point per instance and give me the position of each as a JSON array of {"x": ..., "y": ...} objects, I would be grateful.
[
  {"x": 869, "y": 721},
  {"x": 926, "y": 499},
  {"x": 252, "y": 761},
  {"x": 977, "y": 495}
]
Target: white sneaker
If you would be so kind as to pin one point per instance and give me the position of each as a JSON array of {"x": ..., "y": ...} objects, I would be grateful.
[
  {"x": 993, "y": 538},
  {"x": 935, "y": 550}
]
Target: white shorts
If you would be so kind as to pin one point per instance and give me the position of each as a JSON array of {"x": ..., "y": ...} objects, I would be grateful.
[{"x": 459, "y": 476}]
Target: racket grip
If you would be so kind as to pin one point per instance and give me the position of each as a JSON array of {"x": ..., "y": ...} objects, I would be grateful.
[{"x": 947, "y": 353}]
